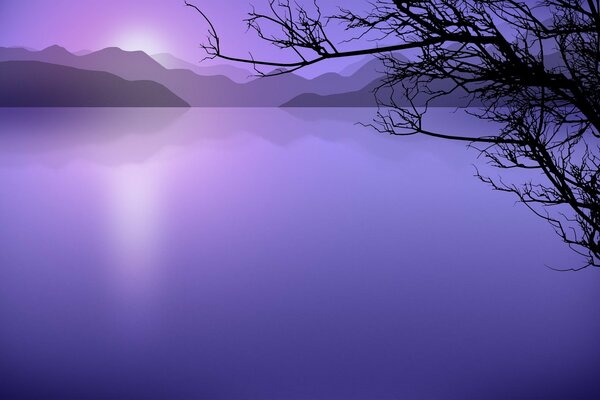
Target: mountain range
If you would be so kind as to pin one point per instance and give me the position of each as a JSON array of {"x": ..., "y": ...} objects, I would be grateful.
[
  {"x": 179, "y": 83},
  {"x": 198, "y": 86}
]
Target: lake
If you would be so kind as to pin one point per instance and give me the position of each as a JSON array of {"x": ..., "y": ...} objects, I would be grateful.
[{"x": 275, "y": 254}]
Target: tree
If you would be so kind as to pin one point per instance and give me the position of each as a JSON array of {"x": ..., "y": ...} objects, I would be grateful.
[{"x": 532, "y": 69}]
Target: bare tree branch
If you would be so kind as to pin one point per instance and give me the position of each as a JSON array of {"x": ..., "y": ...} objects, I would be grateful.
[{"x": 532, "y": 69}]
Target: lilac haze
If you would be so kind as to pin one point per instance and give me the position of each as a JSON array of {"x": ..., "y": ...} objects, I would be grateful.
[{"x": 273, "y": 254}]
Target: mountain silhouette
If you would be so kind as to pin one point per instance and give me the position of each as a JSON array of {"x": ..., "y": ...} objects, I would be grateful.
[
  {"x": 38, "y": 84},
  {"x": 224, "y": 85},
  {"x": 197, "y": 90}
]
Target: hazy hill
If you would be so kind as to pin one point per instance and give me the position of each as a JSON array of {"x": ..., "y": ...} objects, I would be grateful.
[
  {"x": 236, "y": 74},
  {"x": 37, "y": 84}
]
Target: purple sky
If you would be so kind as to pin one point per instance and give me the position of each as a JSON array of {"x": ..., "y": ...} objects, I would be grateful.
[{"x": 151, "y": 25}]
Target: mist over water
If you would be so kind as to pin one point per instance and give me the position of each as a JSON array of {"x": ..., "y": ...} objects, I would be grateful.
[{"x": 275, "y": 254}]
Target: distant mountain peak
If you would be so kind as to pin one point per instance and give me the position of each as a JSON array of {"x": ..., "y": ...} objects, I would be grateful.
[
  {"x": 119, "y": 52},
  {"x": 114, "y": 49},
  {"x": 117, "y": 49},
  {"x": 55, "y": 48}
]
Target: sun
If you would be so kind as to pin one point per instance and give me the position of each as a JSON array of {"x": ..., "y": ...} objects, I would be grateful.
[{"x": 145, "y": 40}]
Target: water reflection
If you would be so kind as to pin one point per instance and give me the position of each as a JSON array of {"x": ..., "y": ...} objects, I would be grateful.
[
  {"x": 232, "y": 254},
  {"x": 117, "y": 136}
]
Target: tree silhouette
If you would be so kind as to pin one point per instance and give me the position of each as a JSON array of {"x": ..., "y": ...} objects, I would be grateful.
[{"x": 531, "y": 69}]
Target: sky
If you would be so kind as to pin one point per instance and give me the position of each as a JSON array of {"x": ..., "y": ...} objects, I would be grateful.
[{"x": 154, "y": 26}]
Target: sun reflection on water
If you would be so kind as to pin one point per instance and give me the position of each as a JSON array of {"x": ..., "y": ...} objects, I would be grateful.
[{"x": 135, "y": 212}]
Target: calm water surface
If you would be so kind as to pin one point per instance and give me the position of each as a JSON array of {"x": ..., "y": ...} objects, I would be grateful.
[{"x": 275, "y": 254}]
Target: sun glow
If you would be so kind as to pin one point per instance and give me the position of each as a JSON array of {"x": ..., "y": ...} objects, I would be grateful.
[{"x": 141, "y": 39}]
